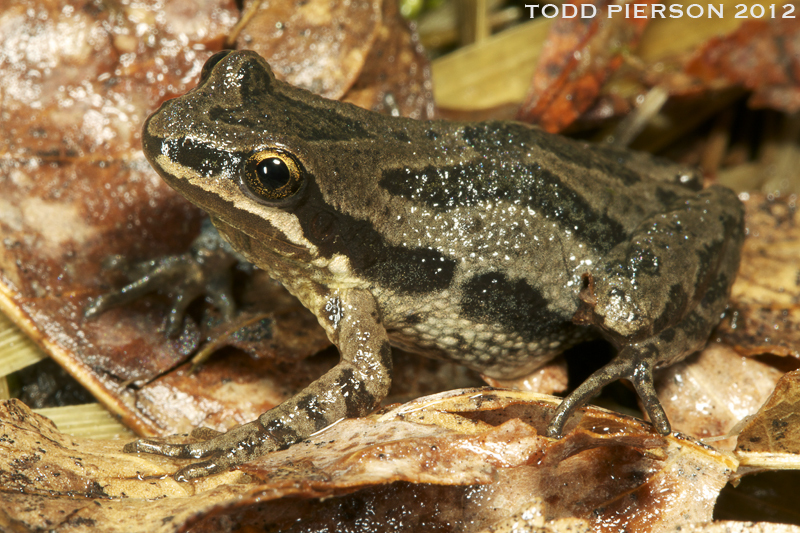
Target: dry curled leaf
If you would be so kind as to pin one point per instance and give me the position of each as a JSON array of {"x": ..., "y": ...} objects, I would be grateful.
[{"x": 776, "y": 426}]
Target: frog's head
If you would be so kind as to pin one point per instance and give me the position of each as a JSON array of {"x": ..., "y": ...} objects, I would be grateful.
[{"x": 265, "y": 159}]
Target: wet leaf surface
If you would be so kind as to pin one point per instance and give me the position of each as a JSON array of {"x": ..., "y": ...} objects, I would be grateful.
[{"x": 77, "y": 188}]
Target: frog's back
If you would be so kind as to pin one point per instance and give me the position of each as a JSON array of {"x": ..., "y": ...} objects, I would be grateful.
[{"x": 487, "y": 229}]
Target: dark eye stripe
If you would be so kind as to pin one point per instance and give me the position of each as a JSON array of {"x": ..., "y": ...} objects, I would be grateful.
[{"x": 200, "y": 157}]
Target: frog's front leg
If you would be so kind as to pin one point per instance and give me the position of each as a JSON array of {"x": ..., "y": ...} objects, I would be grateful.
[
  {"x": 657, "y": 296},
  {"x": 352, "y": 388},
  {"x": 205, "y": 268}
]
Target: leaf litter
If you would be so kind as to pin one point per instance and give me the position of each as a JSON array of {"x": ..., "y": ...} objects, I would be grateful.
[{"x": 470, "y": 460}]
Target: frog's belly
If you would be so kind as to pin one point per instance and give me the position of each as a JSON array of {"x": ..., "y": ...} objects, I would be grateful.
[{"x": 435, "y": 329}]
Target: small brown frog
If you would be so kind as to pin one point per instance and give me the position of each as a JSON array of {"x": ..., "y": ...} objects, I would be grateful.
[{"x": 492, "y": 244}]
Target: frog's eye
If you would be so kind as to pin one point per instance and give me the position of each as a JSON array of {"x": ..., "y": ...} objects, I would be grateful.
[
  {"x": 273, "y": 175},
  {"x": 211, "y": 63}
]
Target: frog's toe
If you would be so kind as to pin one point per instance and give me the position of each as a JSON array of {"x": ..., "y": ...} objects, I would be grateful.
[
  {"x": 614, "y": 370},
  {"x": 222, "y": 450},
  {"x": 196, "y": 470},
  {"x": 182, "y": 451},
  {"x": 642, "y": 379},
  {"x": 219, "y": 292},
  {"x": 98, "y": 306},
  {"x": 625, "y": 365},
  {"x": 203, "y": 269},
  {"x": 185, "y": 295}
]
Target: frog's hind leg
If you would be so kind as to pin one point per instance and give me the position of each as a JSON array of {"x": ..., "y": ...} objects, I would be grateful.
[{"x": 658, "y": 295}]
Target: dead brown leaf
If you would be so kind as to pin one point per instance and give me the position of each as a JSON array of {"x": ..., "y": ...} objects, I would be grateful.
[
  {"x": 318, "y": 45},
  {"x": 359, "y": 52},
  {"x": 575, "y": 63},
  {"x": 472, "y": 459},
  {"x": 396, "y": 78}
]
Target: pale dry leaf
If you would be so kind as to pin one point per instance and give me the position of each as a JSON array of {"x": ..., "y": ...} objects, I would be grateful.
[
  {"x": 776, "y": 426},
  {"x": 709, "y": 393},
  {"x": 764, "y": 316}
]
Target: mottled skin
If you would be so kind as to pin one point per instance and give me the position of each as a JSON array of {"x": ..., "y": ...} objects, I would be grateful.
[{"x": 492, "y": 244}]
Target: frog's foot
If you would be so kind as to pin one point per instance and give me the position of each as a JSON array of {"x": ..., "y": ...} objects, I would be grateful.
[
  {"x": 221, "y": 451},
  {"x": 205, "y": 268},
  {"x": 625, "y": 365}
]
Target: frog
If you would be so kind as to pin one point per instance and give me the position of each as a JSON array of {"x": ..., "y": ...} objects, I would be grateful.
[{"x": 493, "y": 244}]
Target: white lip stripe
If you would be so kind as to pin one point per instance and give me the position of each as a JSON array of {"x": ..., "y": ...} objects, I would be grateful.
[
  {"x": 287, "y": 223},
  {"x": 338, "y": 266}
]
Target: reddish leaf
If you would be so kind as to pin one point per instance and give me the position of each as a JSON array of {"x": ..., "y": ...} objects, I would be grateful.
[
  {"x": 578, "y": 58},
  {"x": 764, "y": 56}
]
